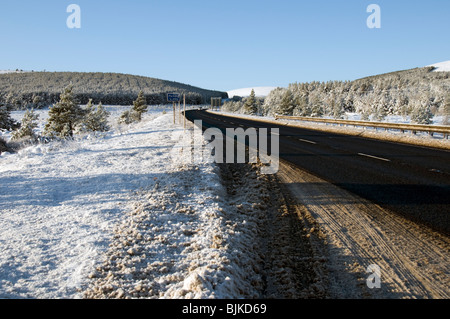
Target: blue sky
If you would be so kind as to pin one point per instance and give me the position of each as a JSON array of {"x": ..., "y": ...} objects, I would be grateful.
[{"x": 225, "y": 45}]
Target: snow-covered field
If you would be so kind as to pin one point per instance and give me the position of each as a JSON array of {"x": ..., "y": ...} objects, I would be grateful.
[{"x": 64, "y": 205}]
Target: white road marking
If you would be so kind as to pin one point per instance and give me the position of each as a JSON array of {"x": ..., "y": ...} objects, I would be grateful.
[
  {"x": 375, "y": 157},
  {"x": 306, "y": 141},
  {"x": 435, "y": 170}
]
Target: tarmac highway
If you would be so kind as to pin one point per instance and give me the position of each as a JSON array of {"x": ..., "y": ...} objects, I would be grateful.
[{"x": 409, "y": 180}]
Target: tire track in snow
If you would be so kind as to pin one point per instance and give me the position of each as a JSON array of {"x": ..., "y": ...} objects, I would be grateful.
[{"x": 413, "y": 259}]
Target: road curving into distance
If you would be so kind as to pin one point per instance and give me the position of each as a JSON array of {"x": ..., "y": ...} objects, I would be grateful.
[{"x": 411, "y": 181}]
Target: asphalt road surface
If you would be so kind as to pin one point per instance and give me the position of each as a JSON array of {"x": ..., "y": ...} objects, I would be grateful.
[{"x": 409, "y": 180}]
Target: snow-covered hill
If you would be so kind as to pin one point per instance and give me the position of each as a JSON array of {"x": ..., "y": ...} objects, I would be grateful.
[
  {"x": 441, "y": 66},
  {"x": 261, "y": 91},
  {"x": 13, "y": 71}
]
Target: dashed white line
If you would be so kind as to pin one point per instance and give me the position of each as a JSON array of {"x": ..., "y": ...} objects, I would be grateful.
[
  {"x": 375, "y": 157},
  {"x": 307, "y": 141}
]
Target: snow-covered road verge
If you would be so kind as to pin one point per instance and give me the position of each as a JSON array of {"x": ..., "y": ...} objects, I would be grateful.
[
  {"x": 61, "y": 204},
  {"x": 180, "y": 241}
]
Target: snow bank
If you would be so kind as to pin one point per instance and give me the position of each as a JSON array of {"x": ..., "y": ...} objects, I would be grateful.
[{"x": 180, "y": 241}]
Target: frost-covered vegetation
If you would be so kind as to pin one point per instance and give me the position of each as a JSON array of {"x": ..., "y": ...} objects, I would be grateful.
[
  {"x": 41, "y": 89},
  {"x": 418, "y": 93},
  {"x": 135, "y": 113},
  {"x": 65, "y": 118},
  {"x": 6, "y": 122}
]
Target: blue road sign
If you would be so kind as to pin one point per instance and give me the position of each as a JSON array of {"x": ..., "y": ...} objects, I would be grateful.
[{"x": 173, "y": 97}]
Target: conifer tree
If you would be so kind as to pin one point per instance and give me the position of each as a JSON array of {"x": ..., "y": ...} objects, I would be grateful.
[
  {"x": 251, "y": 105},
  {"x": 336, "y": 110},
  {"x": 27, "y": 127},
  {"x": 64, "y": 116},
  {"x": 446, "y": 110},
  {"x": 317, "y": 109},
  {"x": 139, "y": 106},
  {"x": 96, "y": 118},
  {"x": 301, "y": 106},
  {"x": 287, "y": 104},
  {"x": 126, "y": 118},
  {"x": 135, "y": 113},
  {"x": 6, "y": 122},
  {"x": 421, "y": 113}
]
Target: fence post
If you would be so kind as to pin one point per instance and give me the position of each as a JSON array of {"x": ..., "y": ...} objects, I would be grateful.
[
  {"x": 184, "y": 108},
  {"x": 173, "y": 105}
]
